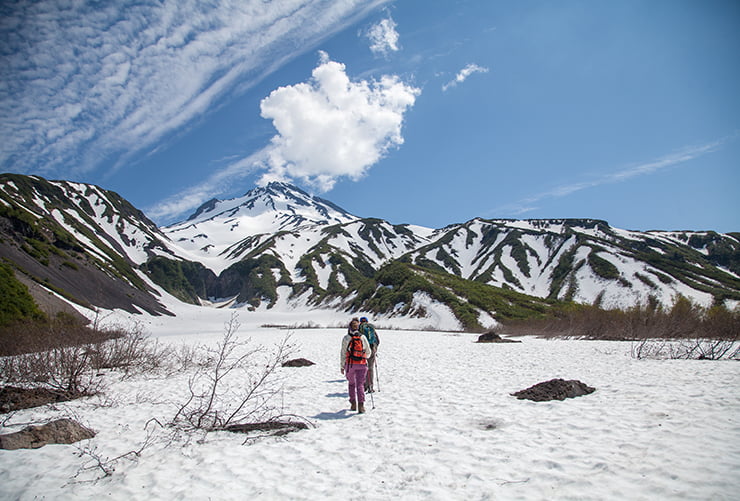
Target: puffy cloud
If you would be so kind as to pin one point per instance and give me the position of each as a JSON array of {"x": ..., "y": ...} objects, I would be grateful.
[
  {"x": 383, "y": 37},
  {"x": 464, "y": 74},
  {"x": 332, "y": 127}
]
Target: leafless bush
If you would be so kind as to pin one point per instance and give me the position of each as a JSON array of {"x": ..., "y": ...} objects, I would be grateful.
[
  {"x": 237, "y": 387},
  {"x": 131, "y": 352},
  {"x": 65, "y": 369},
  {"x": 34, "y": 336},
  {"x": 67, "y": 357},
  {"x": 97, "y": 465},
  {"x": 684, "y": 320},
  {"x": 686, "y": 349},
  {"x": 189, "y": 356}
]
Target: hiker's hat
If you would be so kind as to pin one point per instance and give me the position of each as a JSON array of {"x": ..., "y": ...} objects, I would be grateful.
[{"x": 363, "y": 319}]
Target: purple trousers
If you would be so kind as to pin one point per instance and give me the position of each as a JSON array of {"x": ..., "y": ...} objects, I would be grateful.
[{"x": 356, "y": 374}]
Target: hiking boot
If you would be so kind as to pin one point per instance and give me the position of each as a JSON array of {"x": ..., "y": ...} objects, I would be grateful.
[
  {"x": 353, "y": 405},
  {"x": 361, "y": 408}
]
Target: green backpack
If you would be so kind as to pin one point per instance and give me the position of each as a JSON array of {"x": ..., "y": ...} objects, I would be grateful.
[{"x": 369, "y": 331}]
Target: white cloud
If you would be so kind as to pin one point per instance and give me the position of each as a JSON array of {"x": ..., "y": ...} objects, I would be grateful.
[
  {"x": 83, "y": 83},
  {"x": 684, "y": 155},
  {"x": 332, "y": 127},
  {"x": 464, "y": 74},
  {"x": 328, "y": 128},
  {"x": 216, "y": 184},
  {"x": 383, "y": 37}
]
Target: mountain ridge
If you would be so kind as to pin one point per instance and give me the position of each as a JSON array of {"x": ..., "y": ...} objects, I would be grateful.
[{"x": 278, "y": 244}]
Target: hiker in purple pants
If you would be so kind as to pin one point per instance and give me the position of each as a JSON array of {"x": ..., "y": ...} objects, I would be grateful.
[{"x": 354, "y": 354}]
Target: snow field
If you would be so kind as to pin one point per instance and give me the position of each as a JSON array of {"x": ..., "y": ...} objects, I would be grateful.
[{"x": 443, "y": 426}]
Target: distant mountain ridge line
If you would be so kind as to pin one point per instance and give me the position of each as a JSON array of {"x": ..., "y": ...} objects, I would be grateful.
[{"x": 279, "y": 242}]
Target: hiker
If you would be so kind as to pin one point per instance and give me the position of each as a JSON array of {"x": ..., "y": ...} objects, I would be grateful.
[
  {"x": 354, "y": 355},
  {"x": 368, "y": 330}
]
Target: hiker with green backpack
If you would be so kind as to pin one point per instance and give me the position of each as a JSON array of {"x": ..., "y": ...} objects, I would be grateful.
[
  {"x": 354, "y": 354},
  {"x": 368, "y": 330}
]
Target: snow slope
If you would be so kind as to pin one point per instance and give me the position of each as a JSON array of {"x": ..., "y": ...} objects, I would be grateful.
[{"x": 442, "y": 426}]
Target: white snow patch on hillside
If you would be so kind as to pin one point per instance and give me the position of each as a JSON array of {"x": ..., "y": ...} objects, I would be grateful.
[
  {"x": 439, "y": 315},
  {"x": 487, "y": 321},
  {"x": 630, "y": 235},
  {"x": 465, "y": 252},
  {"x": 323, "y": 273},
  {"x": 91, "y": 247}
]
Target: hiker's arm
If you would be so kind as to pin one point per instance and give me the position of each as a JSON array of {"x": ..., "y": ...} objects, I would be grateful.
[{"x": 343, "y": 354}]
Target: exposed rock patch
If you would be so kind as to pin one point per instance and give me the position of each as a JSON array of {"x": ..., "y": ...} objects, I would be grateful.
[
  {"x": 298, "y": 362},
  {"x": 492, "y": 337},
  {"x": 555, "y": 389},
  {"x": 13, "y": 399},
  {"x": 61, "y": 431}
]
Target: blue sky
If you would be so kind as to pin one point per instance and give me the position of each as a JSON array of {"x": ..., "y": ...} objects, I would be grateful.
[{"x": 429, "y": 113}]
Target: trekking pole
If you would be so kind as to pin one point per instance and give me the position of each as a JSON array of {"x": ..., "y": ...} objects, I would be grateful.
[
  {"x": 377, "y": 372},
  {"x": 372, "y": 399}
]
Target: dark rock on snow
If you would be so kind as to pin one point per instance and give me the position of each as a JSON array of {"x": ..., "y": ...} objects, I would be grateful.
[
  {"x": 555, "y": 389},
  {"x": 492, "y": 337},
  {"x": 61, "y": 431},
  {"x": 276, "y": 428},
  {"x": 13, "y": 399},
  {"x": 298, "y": 362}
]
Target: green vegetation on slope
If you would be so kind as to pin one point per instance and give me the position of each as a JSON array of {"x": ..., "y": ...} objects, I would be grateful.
[
  {"x": 16, "y": 302},
  {"x": 395, "y": 284}
]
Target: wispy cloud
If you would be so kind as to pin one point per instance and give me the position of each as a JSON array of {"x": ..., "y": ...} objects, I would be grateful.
[
  {"x": 215, "y": 185},
  {"x": 83, "y": 83},
  {"x": 684, "y": 155},
  {"x": 383, "y": 37},
  {"x": 463, "y": 75},
  {"x": 328, "y": 128}
]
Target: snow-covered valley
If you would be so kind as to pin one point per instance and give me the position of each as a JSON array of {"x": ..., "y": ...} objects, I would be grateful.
[{"x": 442, "y": 426}]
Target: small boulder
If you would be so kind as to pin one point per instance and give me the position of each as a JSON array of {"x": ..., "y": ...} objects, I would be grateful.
[
  {"x": 61, "y": 431},
  {"x": 298, "y": 362},
  {"x": 492, "y": 337},
  {"x": 555, "y": 389}
]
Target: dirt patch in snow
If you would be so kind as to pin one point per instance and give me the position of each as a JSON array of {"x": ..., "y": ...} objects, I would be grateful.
[
  {"x": 555, "y": 389},
  {"x": 276, "y": 428},
  {"x": 13, "y": 399},
  {"x": 298, "y": 362}
]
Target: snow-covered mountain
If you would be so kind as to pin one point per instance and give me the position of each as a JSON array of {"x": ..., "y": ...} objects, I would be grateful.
[
  {"x": 588, "y": 261},
  {"x": 80, "y": 242},
  {"x": 219, "y": 231},
  {"x": 280, "y": 245}
]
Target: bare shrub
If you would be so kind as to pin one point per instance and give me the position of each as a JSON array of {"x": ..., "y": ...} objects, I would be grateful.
[
  {"x": 65, "y": 369},
  {"x": 97, "y": 465},
  {"x": 131, "y": 352},
  {"x": 67, "y": 357},
  {"x": 236, "y": 387},
  {"x": 684, "y": 320},
  {"x": 33, "y": 336},
  {"x": 686, "y": 349},
  {"x": 189, "y": 356}
]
